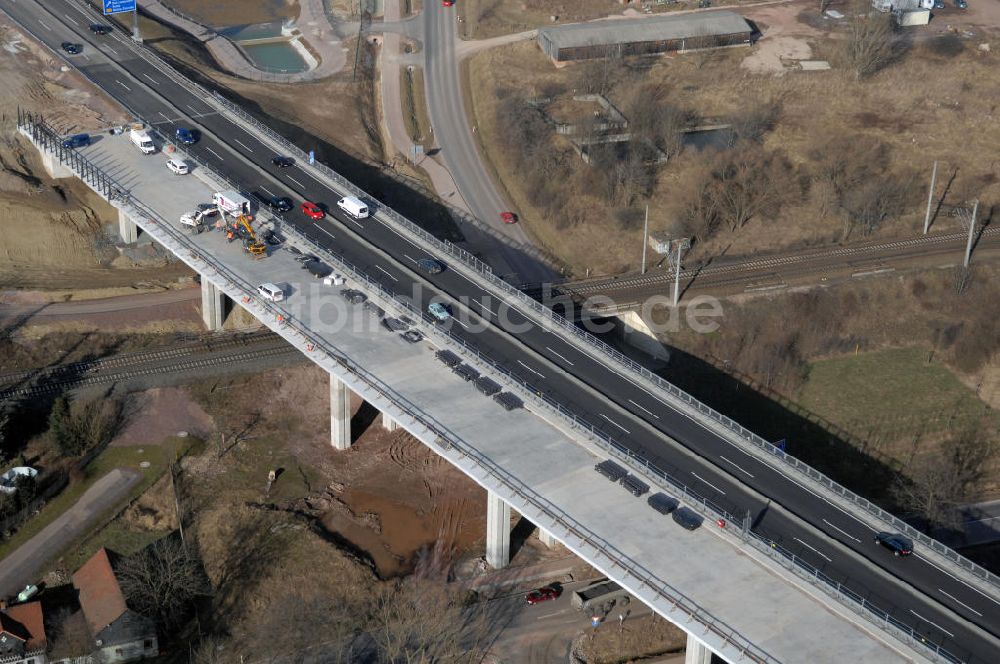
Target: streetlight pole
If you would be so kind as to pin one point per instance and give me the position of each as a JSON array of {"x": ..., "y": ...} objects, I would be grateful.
[
  {"x": 645, "y": 239},
  {"x": 930, "y": 199},
  {"x": 682, "y": 244},
  {"x": 972, "y": 231},
  {"x": 136, "y": 35}
]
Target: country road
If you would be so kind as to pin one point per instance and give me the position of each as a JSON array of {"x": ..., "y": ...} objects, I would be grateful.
[
  {"x": 21, "y": 567},
  {"x": 74, "y": 308}
]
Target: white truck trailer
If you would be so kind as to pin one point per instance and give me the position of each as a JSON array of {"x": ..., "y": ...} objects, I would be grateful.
[{"x": 232, "y": 203}]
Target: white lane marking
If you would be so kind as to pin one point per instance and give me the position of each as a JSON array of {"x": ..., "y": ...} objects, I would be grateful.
[
  {"x": 165, "y": 118},
  {"x": 486, "y": 311},
  {"x": 615, "y": 423},
  {"x": 356, "y": 224},
  {"x": 842, "y": 531},
  {"x": 814, "y": 550},
  {"x": 191, "y": 107},
  {"x": 559, "y": 356},
  {"x": 931, "y": 622},
  {"x": 332, "y": 236},
  {"x": 941, "y": 569},
  {"x": 215, "y": 153},
  {"x": 112, "y": 50},
  {"x": 527, "y": 367},
  {"x": 701, "y": 479},
  {"x": 150, "y": 78},
  {"x": 643, "y": 409},
  {"x": 548, "y": 615},
  {"x": 268, "y": 191},
  {"x": 460, "y": 323},
  {"x": 301, "y": 186},
  {"x": 69, "y": 19},
  {"x": 410, "y": 258},
  {"x": 960, "y": 602},
  {"x": 736, "y": 466},
  {"x": 236, "y": 140},
  {"x": 385, "y": 272},
  {"x": 44, "y": 26},
  {"x": 123, "y": 85}
]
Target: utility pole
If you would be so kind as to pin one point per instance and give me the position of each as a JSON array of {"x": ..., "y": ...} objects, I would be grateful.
[
  {"x": 930, "y": 199},
  {"x": 682, "y": 244},
  {"x": 645, "y": 239},
  {"x": 972, "y": 231}
]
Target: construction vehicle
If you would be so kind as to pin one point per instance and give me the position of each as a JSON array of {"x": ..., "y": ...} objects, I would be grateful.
[{"x": 241, "y": 229}]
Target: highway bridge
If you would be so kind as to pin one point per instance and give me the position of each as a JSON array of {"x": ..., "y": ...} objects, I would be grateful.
[{"x": 801, "y": 582}]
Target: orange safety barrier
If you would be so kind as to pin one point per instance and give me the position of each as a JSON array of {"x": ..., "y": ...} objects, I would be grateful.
[
  {"x": 309, "y": 346},
  {"x": 721, "y": 523},
  {"x": 246, "y": 298},
  {"x": 168, "y": 149}
]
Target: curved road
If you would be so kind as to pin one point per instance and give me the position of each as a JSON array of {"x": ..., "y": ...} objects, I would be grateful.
[{"x": 943, "y": 608}]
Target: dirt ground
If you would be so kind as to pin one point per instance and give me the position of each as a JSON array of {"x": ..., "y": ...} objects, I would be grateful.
[
  {"x": 918, "y": 124},
  {"x": 162, "y": 412},
  {"x": 225, "y": 13}
]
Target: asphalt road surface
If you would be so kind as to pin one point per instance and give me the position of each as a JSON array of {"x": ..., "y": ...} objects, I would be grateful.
[
  {"x": 446, "y": 108},
  {"x": 21, "y": 567},
  {"x": 946, "y": 610}
]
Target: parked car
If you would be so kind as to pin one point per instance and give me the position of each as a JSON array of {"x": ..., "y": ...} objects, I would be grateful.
[
  {"x": 186, "y": 136},
  {"x": 71, "y": 48},
  {"x": 961, "y": 4},
  {"x": 447, "y": 3},
  {"x": 430, "y": 266},
  {"x": 312, "y": 210},
  {"x": 439, "y": 311},
  {"x": 686, "y": 519},
  {"x": 271, "y": 292},
  {"x": 412, "y": 336},
  {"x": 177, "y": 167},
  {"x": 100, "y": 29},
  {"x": 898, "y": 544},
  {"x": 542, "y": 595},
  {"x": 938, "y": 4},
  {"x": 282, "y": 162},
  {"x": 508, "y": 217},
  {"x": 77, "y": 141},
  {"x": 275, "y": 203}
]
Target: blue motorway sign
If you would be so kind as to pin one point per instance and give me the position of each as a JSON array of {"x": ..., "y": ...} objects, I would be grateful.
[{"x": 118, "y": 6}]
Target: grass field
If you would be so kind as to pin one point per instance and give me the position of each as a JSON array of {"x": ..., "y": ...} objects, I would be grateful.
[{"x": 894, "y": 398}]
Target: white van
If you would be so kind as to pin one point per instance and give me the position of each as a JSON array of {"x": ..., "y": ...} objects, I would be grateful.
[
  {"x": 140, "y": 138},
  {"x": 271, "y": 292},
  {"x": 353, "y": 206},
  {"x": 232, "y": 202}
]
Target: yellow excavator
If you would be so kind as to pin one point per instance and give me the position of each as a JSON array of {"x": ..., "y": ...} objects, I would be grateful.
[{"x": 241, "y": 228}]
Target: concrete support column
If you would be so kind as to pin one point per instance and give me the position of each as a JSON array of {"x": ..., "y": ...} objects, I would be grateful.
[
  {"x": 637, "y": 333},
  {"x": 340, "y": 414},
  {"x": 213, "y": 305},
  {"x": 127, "y": 230},
  {"x": 497, "y": 531},
  {"x": 696, "y": 652},
  {"x": 547, "y": 539},
  {"x": 388, "y": 423}
]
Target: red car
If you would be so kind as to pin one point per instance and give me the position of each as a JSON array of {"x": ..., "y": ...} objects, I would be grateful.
[
  {"x": 447, "y": 3},
  {"x": 508, "y": 217},
  {"x": 312, "y": 210},
  {"x": 542, "y": 595}
]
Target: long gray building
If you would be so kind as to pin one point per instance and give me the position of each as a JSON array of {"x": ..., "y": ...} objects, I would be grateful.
[{"x": 644, "y": 36}]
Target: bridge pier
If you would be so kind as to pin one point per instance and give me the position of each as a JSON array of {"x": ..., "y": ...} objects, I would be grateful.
[
  {"x": 636, "y": 332},
  {"x": 340, "y": 414},
  {"x": 497, "y": 531},
  {"x": 547, "y": 539},
  {"x": 213, "y": 305},
  {"x": 127, "y": 230},
  {"x": 54, "y": 167},
  {"x": 696, "y": 652},
  {"x": 388, "y": 423}
]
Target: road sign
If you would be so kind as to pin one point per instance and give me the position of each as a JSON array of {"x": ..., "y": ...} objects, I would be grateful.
[
  {"x": 118, "y": 6},
  {"x": 595, "y": 621},
  {"x": 312, "y": 156},
  {"x": 781, "y": 444}
]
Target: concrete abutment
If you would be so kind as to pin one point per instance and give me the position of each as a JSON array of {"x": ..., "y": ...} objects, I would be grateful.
[
  {"x": 213, "y": 305},
  {"x": 497, "y": 531},
  {"x": 340, "y": 414}
]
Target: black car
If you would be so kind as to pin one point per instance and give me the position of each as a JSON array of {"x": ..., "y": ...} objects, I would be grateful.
[
  {"x": 100, "y": 29},
  {"x": 71, "y": 48},
  {"x": 430, "y": 266},
  {"x": 77, "y": 141},
  {"x": 686, "y": 519},
  {"x": 275, "y": 203},
  {"x": 899, "y": 545},
  {"x": 662, "y": 503},
  {"x": 282, "y": 162}
]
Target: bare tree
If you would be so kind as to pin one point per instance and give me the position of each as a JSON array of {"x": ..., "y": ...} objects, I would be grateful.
[
  {"x": 871, "y": 204},
  {"x": 162, "y": 581},
  {"x": 871, "y": 43},
  {"x": 747, "y": 183},
  {"x": 600, "y": 75},
  {"x": 937, "y": 485}
]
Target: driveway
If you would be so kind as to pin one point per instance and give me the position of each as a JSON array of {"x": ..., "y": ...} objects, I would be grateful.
[{"x": 22, "y": 567}]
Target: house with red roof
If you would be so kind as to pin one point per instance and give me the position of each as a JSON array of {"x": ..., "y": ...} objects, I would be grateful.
[
  {"x": 22, "y": 634},
  {"x": 120, "y": 634}
]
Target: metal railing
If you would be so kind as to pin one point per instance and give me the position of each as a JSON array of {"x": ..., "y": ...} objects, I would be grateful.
[{"x": 49, "y": 141}]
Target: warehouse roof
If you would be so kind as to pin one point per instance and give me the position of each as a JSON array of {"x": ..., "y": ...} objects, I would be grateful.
[{"x": 654, "y": 28}]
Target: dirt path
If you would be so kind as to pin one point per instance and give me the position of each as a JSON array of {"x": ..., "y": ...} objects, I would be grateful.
[{"x": 21, "y": 567}]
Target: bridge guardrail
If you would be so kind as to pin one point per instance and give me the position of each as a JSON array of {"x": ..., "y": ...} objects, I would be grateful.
[
  {"x": 767, "y": 451},
  {"x": 859, "y": 605}
]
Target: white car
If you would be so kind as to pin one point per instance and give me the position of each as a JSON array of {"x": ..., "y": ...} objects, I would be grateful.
[
  {"x": 177, "y": 166},
  {"x": 439, "y": 311},
  {"x": 271, "y": 292}
]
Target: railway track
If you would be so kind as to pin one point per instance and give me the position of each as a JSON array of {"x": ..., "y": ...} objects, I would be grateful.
[{"x": 130, "y": 366}]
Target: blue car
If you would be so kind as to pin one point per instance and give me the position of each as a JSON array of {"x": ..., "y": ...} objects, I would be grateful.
[
  {"x": 938, "y": 4},
  {"x": 77, "y": 141},
  {"x": 961, "y": 4},
  {"x": 185, "y": 136}
]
